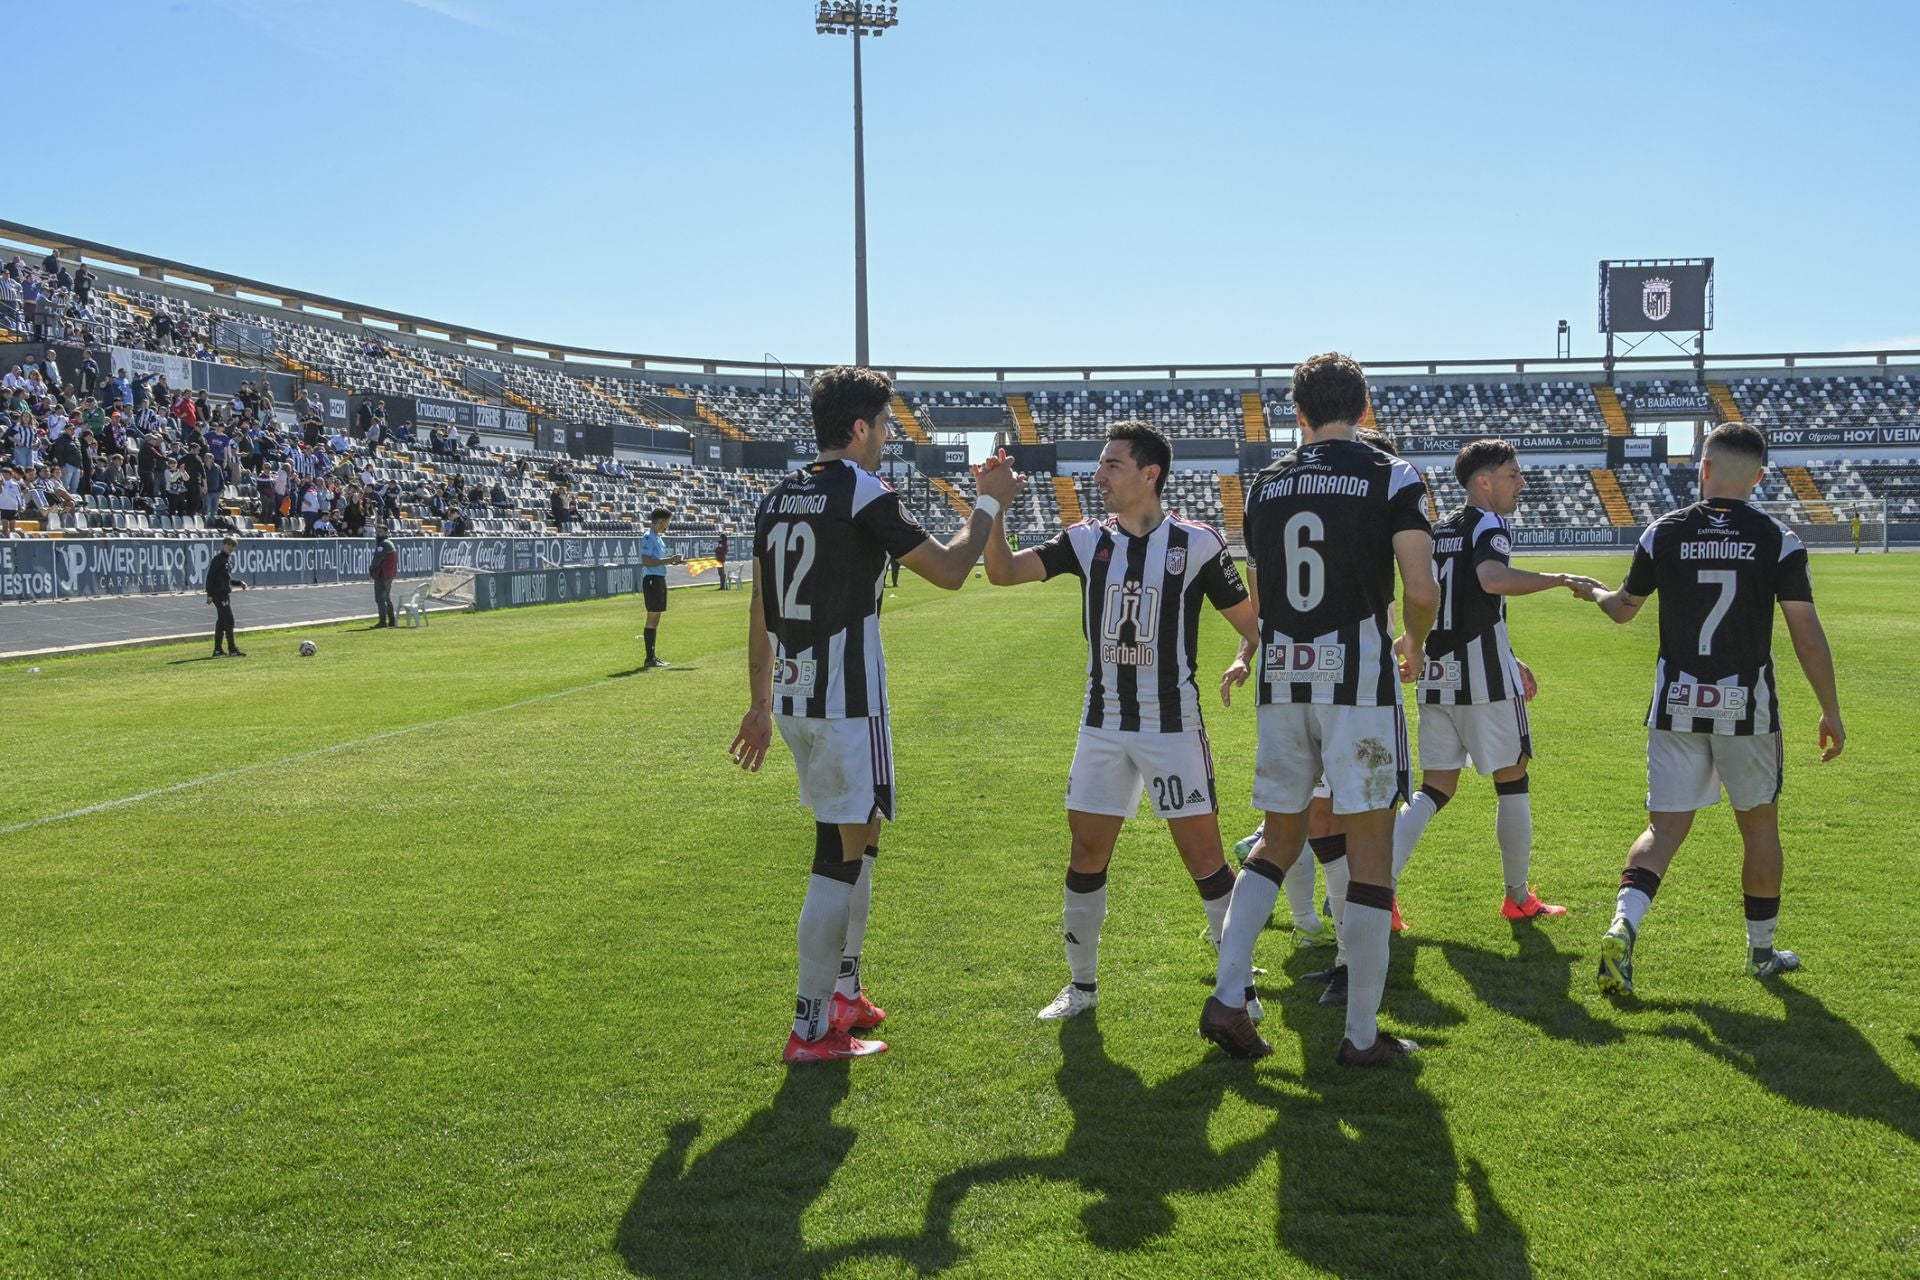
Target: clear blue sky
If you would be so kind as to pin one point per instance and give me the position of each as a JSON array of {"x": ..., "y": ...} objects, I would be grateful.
[{"x": 1049, "y": 180}]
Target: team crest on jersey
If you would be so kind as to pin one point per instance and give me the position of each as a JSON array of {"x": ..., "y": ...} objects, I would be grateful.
[
  {"x": 1177, "y": 561},
  {"x": 1656, "y": 298}
]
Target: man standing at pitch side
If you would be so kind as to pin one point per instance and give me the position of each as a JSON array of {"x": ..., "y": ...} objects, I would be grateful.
[
  {"x": 815, "y": 669},
  {"x": 1473, "y": 692},
  {"x": 1325, "y": 526},
  {"x": 221, "y": 584},
  {"x": 1143, "y": 574},
  {"x": 1718, "y": 565}
]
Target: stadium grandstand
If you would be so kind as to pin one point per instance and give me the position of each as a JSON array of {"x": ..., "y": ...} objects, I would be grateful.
[{"x": 336, "y": 416}]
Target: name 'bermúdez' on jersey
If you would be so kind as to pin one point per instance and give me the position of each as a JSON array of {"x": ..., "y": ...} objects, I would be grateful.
[
  {"x": 1320, "y": 525},
  {"x": 821, "y": 538},
  {"x": 1469, "y": 656},
  {"x": 1142, "y": 602},
  {"x": 1718, "y": 567}
]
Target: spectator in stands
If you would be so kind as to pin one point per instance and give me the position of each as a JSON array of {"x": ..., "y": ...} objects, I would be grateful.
[
  {"x": 55, "y": 494},
  {"x": 309, "y": 506},
  {"x": 203, "y": 352},
  {"x": 459, "y": 526},
  {"x": 89, "y": 374},
  {"x": 10, "y": 297},
  {"x": 385, "y": 568},
  {"x": 119, "y": 390},
  {"x": 193, "y": 467},
  {"x": 562, "y": 508},
  {"x": 498, "y": 496},
  {"x": 31, "y": 296},
  {"x": 221, "y": 584},
  {"x": 13, "y": 496},
  {"x": 50, "y": 369},
  {"x": 153, "y": 465},
  {"x": 19, "y": 438},
  {"x": 353, "y": 517},
  {"x": 83, "y": 285}
]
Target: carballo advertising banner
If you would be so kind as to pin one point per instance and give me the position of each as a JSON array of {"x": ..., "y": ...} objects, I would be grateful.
[{"x": 36, "y": 569}]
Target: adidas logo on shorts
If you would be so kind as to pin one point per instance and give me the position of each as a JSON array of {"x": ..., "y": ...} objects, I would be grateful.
[{"x": 1196, "y": 797}]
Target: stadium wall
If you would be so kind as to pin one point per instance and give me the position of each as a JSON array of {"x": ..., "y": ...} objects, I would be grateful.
[{"x": 52, "y": 569}]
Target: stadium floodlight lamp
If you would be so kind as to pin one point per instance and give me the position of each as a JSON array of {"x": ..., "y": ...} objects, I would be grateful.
[{"x": 857, "y": 18}]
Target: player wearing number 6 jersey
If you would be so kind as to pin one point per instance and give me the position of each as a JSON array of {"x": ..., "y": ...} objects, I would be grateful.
[
  {"x": 1473, "y": 692},
  {"x": 1144, "y": 575},
  {"x": 821, "y": 541},
  {"x": 1325, "y": 527},
  {"x": 1718, "y": 566}
]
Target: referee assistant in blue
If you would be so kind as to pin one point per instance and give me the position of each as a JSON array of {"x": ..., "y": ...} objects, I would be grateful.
[{"x": 654, "y": 559}]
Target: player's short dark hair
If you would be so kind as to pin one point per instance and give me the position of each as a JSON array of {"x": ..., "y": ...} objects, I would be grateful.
[
  {"x": 1740, "y": 438},
  {"x": 1378, "y": 439},
  {"x": 1328, "y": 388},
  {"x": 1148, "y": 447},
  {"x": 659, "y": 513},
  {"x": 842, "y": 396},
  {"x": 1478, "y": 455}
]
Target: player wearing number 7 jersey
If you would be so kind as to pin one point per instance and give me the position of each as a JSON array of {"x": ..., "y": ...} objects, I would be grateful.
[
  {"x": 821, "y": 541},
  {"x": 1144, "y": 576},
  {"x": 1718, "y": 566},
  {"x": 1325, "y": 527}
]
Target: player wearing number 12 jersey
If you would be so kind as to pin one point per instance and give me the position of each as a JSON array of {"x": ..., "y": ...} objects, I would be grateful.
[
  {"x": 1473, "y": 692},
  {"x": 1326, "y": 526},
  {"x": 821, "y": 541},
  {"x": 1144, "y": 576},
  {"x": 1718, "y": 566}
]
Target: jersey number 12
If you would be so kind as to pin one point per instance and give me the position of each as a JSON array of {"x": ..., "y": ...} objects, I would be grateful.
[{"x": 799, "y": 539}]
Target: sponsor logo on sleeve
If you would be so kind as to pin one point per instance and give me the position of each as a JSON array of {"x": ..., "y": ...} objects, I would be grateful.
[{"x": 1502, "y": 545}]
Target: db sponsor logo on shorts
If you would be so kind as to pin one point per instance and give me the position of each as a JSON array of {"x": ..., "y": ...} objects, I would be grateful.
[
  {"x": 793, "y": 678},
  {"x": 1437, "y": 674},
  {"x": 1308, "y": 663},
  {"x": 1706, "y": 701}
]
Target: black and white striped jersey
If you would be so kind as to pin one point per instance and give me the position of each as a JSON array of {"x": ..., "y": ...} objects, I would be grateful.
[
  {"x": 1718, "y": 565},
  {"x": 1320, "y": 526},
  {"x": 821, "y": 538},
  {"x": 1469, "y": 658},
  {"x": 1142, "y": 616}
]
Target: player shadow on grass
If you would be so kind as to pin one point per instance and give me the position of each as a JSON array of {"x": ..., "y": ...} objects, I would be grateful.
[
  {"x": 737, "y": 1208},
  {"x": 1812, "y": 1058},
  {"x": 1369, "y": 1177},
  {"x": 1133, "y": 1146},
  {"x": 1535, "y": 986}
]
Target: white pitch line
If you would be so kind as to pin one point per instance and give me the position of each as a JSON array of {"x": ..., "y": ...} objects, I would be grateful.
[{"x": 105, "y": 805}]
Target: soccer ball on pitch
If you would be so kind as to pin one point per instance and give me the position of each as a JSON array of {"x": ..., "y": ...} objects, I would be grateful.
[{"x": 308, "y": 648}]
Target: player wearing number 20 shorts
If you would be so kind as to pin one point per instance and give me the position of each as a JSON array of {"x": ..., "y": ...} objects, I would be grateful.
[
  {"x": 1718, "y": 566},
  {"x": 1144, "y": 577}
]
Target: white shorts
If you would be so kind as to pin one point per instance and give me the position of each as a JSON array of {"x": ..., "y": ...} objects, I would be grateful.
[
  {"x": 1686, "y": 770},
  {"x": 1490, "y": 736},
  {"x": 1111, "y": 769},
  {"x": 1362, "y": 751},
  {"x": 845, "y": 766}
]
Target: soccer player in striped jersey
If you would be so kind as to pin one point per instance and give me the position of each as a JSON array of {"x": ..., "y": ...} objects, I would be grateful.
[
  {"x": 1326, "y": 525},
  {"x": 1145, "y": 575},
  {"x": 1472, "y": 691},
  {"x": 815, "y": 669},
  {"x": 1719, "y": 566}
]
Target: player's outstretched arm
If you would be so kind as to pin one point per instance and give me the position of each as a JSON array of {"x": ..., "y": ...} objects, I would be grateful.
[
  {"x": 750, "y": 745},
  {"x": 1505, "y": 580},
  {"x": 1618, "y": 605},
  {"x": 1816, "y": 660},
  {"x": 946, "y": 565},
  {"x": 1007, "y": 567}
]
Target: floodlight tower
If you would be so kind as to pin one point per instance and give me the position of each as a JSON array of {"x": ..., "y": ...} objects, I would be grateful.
[{"x": 851, "y": 17}]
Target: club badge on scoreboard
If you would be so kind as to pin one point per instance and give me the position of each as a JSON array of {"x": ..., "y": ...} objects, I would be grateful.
[{"x": 1656, "y": 298}]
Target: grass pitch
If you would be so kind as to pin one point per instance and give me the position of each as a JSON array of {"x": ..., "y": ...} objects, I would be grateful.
[{"x": 471, "y": 955}]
